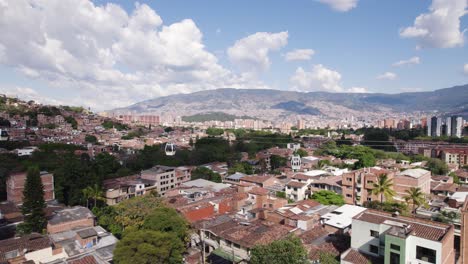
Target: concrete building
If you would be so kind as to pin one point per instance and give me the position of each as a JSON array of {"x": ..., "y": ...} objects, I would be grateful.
[
  {"x": 15, "y": 186},
  {"x": 434, "y": 127},
  {"x": 418, "y": 178},
  {"x": 358, "y": 185},
  {"x": 119, "y": 189},
  {"x": 396, "y": 239},
  {"x": 455, "y": 156},
  {"x": 32, "y": 248},
  {"x": 166, "y": 178},
  {"x": 70, "y": 218}
]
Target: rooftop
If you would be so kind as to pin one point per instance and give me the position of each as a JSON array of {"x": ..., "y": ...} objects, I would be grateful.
[
  {"x": 202, "y": 183},
  {"x": 70, "y": 214},
  {"x": 342, "y": 217},
  {"x": 414, "y": 173},
  {"x": 417, "y": 227}
]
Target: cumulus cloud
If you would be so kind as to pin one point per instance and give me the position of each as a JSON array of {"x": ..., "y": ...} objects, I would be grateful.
[
  {"x": 465, "y": 69},
  {"x": 111, "y": 57},
  {"x": 340, "y": 5},
  {"x": 299, "y": 54},
  {"x": 252, "y": 52},
  {"x": 440, "y": 27},
  {"x": 410, "y": 61},
  {"x": 319, "y": 78},
  {"x": 387, "y": 76}
]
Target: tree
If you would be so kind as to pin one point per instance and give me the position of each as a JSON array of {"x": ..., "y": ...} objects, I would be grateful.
[
  {"x": 164, "y": 219},
  {"x": 91, "y": 139},
  {"x": 212, "y": 131},
  {"x": 437, "y": 167},
  {"x": 289, "y": 250},
  {"x": 33, "y": 203},
  {"x": 384, "y": 188},
  {"x": 147, "y": 246},
  {"x": 205, "y": 173},
  {"x": 133, "y": 212},
  {"x": 277, "y": 162},
  {"x": 93, "y": 192},
  {"x": 328, "y": 198},
  {"x": 301, "y": 153},
  {"x": 416, "y": 197},
  {"x": 327, "y": 258}
]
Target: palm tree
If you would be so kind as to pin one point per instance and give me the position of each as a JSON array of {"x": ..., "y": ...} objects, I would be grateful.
[
  {"x": 383, "y": 187},
  {"x": 93, "y": 192},
  {"x": 416, "y": 197}
]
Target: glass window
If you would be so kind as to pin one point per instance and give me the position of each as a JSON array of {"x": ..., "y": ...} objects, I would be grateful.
[
  {"x": 426, "y": 254},
  {"x": 374, "y": 233},
  {"x": 374, "y": 249},
  {"x": 395, "y": 247}
]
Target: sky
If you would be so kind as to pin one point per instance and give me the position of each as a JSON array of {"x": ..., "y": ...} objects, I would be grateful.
[{"x": 107, "y": 54}]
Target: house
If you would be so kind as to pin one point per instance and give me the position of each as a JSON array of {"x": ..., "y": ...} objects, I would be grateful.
[
  {"x": 119, "y": 189},
  {"x": 357, "y": 185},
  {"x": 398, "y": 239},
  {"x": 227, "y": 237},
  {"x": 455, "y": 156},
  {"x": 70, "y": 218},
  {"x": 417, "y": 178},
  {"x": 263, "y": 181},
  {"x": 166, "y": 178},
  {"x": 33, "y": 247},
  {"x": 297, "y": 191},
  {"x": 340, "y": 219},
  {"x": 462, "y": 175},
  {"x": 15, "y": 186}
]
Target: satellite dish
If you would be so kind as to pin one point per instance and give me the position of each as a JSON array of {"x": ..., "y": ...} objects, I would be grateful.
[{"x": 170, "y": 149}]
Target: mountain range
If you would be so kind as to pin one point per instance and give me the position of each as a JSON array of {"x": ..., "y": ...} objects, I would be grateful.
[{"x": 270, "y": 104}]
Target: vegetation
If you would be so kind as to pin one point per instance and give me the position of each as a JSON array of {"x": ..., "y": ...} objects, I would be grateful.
[
  {"x": 93, "y": 192},
  {"x": 448, "y": 217},
  {"x": 328, "y": 258},
  {"x": 147, "y": 246},
  {"x": 301, "y": 152},
  {"x": 289, "y": 250},
  {"x": 383, "y": 188},
  {"x": 242, "y": 167},
  {"x": 205, "y": 173},
  {"x": 390, "y": 207},
  {"x": 72, "y": 121},
  {"x": 33, "y": 204},
  {"x": 91, "y": 139},
  {"x": 437, "y": 167},
  {"x": 214, "y": 116},
  {"x": 328, "y": 198},
  {"x": 212, "y": 131},
  {"x": 109, "y": 124},
  {"x": 416, "y": 197}
]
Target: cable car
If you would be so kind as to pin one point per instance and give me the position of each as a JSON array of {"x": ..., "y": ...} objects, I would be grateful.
[
  {"x": 170, "y": 149},
  {"x": 296, "y": 162}
]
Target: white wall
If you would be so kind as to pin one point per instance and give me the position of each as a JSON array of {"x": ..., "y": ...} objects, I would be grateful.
[
  {"x": 413, "y": 241},
  {"x": 44, "y": 255}
]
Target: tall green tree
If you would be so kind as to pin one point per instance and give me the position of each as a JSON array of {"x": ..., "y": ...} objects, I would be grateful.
[
  {"x": 147, "y": 246},
  {"x": 289, "y": 250},
  {"x": 33, "y": 203},
  {"x": 416, "y": 197},
  {"x": 93, "y": 192},
  {"x": 384, "y": 188},
  {"x": 166, "y": 219}
]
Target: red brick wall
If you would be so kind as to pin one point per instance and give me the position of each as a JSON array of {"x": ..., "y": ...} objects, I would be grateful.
[
  {"x": 225, "y": 206},
  {"x": 52, "y": 229},
  {"x": 15, "y": 187}
]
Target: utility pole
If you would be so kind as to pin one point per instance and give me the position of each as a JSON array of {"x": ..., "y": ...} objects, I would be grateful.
[{"x": 203, "y": 243}]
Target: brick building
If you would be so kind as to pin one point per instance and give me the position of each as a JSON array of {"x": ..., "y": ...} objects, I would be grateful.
[
  {"x": 358, "y": 185},
  {"x": 15, "y": 186}
]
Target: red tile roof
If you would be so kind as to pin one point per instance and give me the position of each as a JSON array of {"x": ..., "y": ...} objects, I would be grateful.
[
  {"x": 418, "y": 227},
  {"x": 296, "y": 184},
  {"x": 84, "y": 260},
  {"x": 355, "y": 257}
]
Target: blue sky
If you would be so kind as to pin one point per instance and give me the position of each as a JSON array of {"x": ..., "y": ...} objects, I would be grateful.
[{"x": 228, "y": 44}]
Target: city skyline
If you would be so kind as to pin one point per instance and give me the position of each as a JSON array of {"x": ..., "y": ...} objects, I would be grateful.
[{"x": 126, "y": 52}]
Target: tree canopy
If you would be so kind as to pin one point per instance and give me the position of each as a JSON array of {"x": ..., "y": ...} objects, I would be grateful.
[
  {"x": 289, "y": 250},
  {"x": 328, "y": 198}
]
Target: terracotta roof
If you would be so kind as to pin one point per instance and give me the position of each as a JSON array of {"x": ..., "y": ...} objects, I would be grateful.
[
  {"x": 258, "y": 191},
  {"x": 300, "y": 176},
  {"x": 296, "y": 184},
  {"x": 256, "y": 179},
  {"x": 418, "y": 227},
  {"x": 27, "y": 243},
  {"x": 462, "y": 173},
  {"x": 356, "y": 257},
  {"x": 451, "y": 187},
  {"x": 84, "y": 260},
  {"x": 309, "y": 236}
]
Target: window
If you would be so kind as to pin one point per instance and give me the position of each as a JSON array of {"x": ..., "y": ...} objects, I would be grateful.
[
  {"x": 369, "y": 199},
  {"x": 394, "y": 258},
  {"x": 374, "y": 249},
  {"x": 395, "y": 247},
  {"x": 349, "y": 179},
  {"x": 426, "y": 254},
  {"x": 236, "y": 245},
  {"x": 374, "y": 233},
  {"x": 348, "y": 195}
]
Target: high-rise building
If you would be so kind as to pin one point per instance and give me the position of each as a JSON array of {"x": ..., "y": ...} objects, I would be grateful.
[
  {"x": 439, "y": 127},
  {"x": 433, "y": 127},
  {"x": 448, "y": 126},
  {"x": 456, "y": 126}
]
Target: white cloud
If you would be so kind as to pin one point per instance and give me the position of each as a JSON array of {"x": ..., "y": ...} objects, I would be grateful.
[
  {"x": 106, "y": 56},
  {"x": 465, "y": 68},
  {"x": 27, "y": 94},
  {"x": 319, "y": 78},
  {"x": 358, "y": 90},
  {"x": 299, "y": 54},
  {"x": 440, "y": 28},
  {"x": 251, "y": 53},
  {"x": 340, "y": 5},
  {"x": 410, "y": 61},
  {"x": 387, "y": 76}
]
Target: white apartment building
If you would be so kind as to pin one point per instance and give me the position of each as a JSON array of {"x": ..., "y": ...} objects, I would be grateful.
[{"x": 166, "y": 178}]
